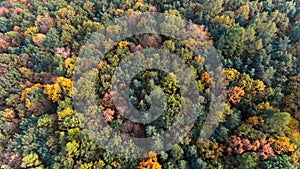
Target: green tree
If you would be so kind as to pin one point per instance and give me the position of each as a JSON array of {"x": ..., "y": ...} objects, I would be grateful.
[
  {"x": 277, "y": 162},
  {"x": 277, "y": 125},
  {"x": 52, "y": 40}
]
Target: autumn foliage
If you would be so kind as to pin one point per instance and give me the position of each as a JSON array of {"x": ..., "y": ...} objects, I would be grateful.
[
  {"x": 149, "y": 163},
  {"x": 62, "y": 86},
  {"x": 238, "y": 145}
]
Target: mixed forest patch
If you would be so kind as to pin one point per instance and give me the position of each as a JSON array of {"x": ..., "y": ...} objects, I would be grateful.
[{"x": 258, "y": 43}]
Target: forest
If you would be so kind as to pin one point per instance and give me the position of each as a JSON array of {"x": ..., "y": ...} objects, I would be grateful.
[{"x": 48, "y": 71}]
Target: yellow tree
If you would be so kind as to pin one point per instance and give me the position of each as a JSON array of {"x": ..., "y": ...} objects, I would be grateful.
[
  {"x": 70, "y": 64},
  {"x": 282, "y": 144},
  {"x": 62, "y": 86},
  {"x": 243, "y": 10},
  {"x": 231, "y": 74},
  {"x": 223, "y": 20},
  {"x": 65, "y": 16},
  {"x": 150, "y": 163}
]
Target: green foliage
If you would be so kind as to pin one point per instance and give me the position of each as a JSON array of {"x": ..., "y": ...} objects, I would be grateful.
[
  {"x": 277, "y": 125},
  {"x": 248, "y": 160},
  {"x": 4, "y": 24},
  {"x": 52, "y": 40},
  {"x": 278, "y": 162},
  {"x": 258, "y": 44}
]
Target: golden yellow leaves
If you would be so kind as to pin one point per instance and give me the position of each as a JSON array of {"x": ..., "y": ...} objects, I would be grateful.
[
  {"x": 264, "y": 106},
  {"x": 244, "y": 81},
  {"x": 223, "y": 20},
  {"x": 295, "y": 158},
  {"x": 92, "y": 26},
  {"x": 243, "y": 10},
  {"x": 65, "y": 113},
  {"x": 150, "y": 163},
  {"x": 65, "y": 16},
  {"x": 26, "y": 92},
  {"x": 62, "y": 86},
  {"x": 230, "y": 74},
  {"x": 31, "y": 31},
  {"x": 174, "y": 12},
  {"x": 119, "y": 12},
  {"x": 138, "y": 5},
  {"x": 101, "y": 64},
  {"x": 9, "y": 114},
  {"x": 124, "y": 44},
  {"x": 98, "y": 164},
  {"x": 282, "y": 145},
  {"x": 70, "y": 64}
]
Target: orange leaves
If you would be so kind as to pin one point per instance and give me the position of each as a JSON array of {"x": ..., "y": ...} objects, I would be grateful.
[
  {"x": 3, "y": 11},
  {"x": 4, "y": 44},
  {"x": 266, "y": 151},
  {"x": 108, "y": 114},
  {"x": 107, "y": 100},
  {"x": 150, "y": 163},
  {"x": 101, "y": 64},
  {"x": 255, "y": 120},
  {"x": 205, "y": 79},
  {"x": 240, "y": 85},
  {"x": 239, "y": 146},
  {"x": 234, "y": 94}
]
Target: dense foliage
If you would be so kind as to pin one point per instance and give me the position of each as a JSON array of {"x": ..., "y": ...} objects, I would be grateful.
[{"x": 259, "y": 45}]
